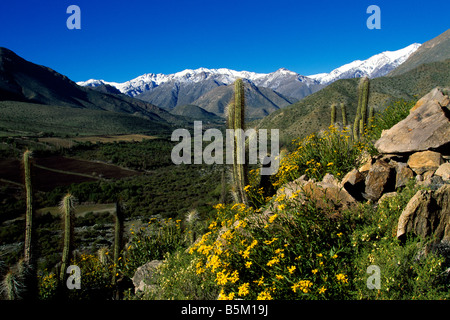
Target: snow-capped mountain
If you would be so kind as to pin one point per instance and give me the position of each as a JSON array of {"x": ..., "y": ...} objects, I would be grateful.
[
  {"x": 221, "y": 76},
  {"x": 187, "y": 86},
  {"x": 376, "y": 66}
]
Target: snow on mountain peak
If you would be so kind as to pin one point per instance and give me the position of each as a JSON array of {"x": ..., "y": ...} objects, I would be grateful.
[{"x": 376, "y": 66}]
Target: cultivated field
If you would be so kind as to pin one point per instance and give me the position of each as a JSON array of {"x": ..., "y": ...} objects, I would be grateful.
[
  {"x": 70, "y": 142},
  {"x": 56, "y": 171}
]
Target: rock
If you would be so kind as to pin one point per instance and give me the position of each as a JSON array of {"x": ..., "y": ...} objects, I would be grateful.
[
  {"x": 403, "y": 174},
  {"x": 427, "y": 214},
  {"x": 329, "y": 197},
  {"x": 427, "y": 127},
  {"x": 421, "y": 162},
  {"x": 330, "y": 179},
  {"x": 443, "y": 171},
  {"x": 380, "y": 179},
  {"x": 387, "y": 196},
  {"x": 353, "y": 182},
  {"x": 142, "y": 279}
]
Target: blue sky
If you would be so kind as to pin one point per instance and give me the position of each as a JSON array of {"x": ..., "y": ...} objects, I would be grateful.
[{"x": 120, "y": 40}]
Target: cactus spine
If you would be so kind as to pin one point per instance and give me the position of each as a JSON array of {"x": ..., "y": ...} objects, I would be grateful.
[
  {"x": 344, "y": 114},
  {"x": 333, "y": 114},
  {"x": 236, "y": 113},
  {"x": 67, "y": 209}
]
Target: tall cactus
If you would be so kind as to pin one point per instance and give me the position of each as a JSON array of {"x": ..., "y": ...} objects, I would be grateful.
[
  {"x": 236, "y": 113},
  {"x": 27, "y": 268},
  {"x": 29, "y": 244},
  {"x": 118, "y": 237},
  {"x": 361, "y": 112},
  {"x": 67, "y": 209},
  {"x": 344, "y": 114},
  {"x": 333, "y": 114}
]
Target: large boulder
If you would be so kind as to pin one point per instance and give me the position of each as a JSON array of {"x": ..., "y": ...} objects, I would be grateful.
[
  {"x": 427, "y": 127},
  {"x": 427, "y": 214},
  {"x": 380, "y": 179},
  {"x": 421, "y": 162}
]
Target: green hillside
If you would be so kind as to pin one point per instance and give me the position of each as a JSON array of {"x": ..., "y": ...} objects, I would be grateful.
[
  {"x": 313, "y": 112},
  {"x": 22, "y": 118}
]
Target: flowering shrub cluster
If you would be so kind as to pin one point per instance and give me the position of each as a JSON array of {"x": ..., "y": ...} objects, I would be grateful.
[
  {"x": 331, "y": 151},
  {"x": 290, "y": 252}
]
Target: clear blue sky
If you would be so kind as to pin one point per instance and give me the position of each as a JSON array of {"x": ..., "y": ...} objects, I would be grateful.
[{"x": 120, "y": 40}]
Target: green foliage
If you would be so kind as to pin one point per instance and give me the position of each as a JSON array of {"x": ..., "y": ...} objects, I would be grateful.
[
  {"x": 331, "y": 151},
  {"x": 151, "y": 242},
  {"x": 406, "y": 273},
  {"x": 296, "y": 252}
]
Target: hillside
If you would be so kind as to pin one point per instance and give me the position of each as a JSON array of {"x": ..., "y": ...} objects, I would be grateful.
[
  {"x": 436, "y": 49},
  {"x": 22, "y": 118},
  {"x": 260, "y": 101},
  {"x": 26, "y": 82},
  {"x": 195, "y": 112},
  {"x": 313, "y": 112}
]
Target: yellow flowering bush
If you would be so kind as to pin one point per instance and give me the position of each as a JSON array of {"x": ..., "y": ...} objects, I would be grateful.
[
  {"x": 331, "y": 151},
  {"x": 294, "y": 253}
]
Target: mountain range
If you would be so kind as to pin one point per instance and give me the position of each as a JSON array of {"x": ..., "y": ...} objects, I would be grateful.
[
  {"x": 25, "y": 88},
  {"x": 414, "y": 80},
  {"x": 267, "y": 92},
  {"x": 35, "y": 98}
]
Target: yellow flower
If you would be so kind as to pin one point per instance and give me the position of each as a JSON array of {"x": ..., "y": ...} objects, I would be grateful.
[
  {"x": 264, "y": 295},
  {"x": 259, "y": 282},
  {"x": 246, "y": 188},
  {"x": 342, "y": 277},
  {"x": 330, "y": 164},
  {"x": 279, "y": 277},
  {"x": 248, "y": 264},
  {"x": 314, "y": 271},
  {"x": 335, "y": 256},
  {"x": 340, "y": 234},
  {"x": 273, "y": 261},
  {"x": 322, "y": 290},
  {"x": 291, "y": 269},
  {"x": 243, "y": 289},
  {"x": 319, "y": 255},
  {"x": 281, "y": 207},
  {"x": 272, "y": 218},
  {"x": 303, "y": 285}
]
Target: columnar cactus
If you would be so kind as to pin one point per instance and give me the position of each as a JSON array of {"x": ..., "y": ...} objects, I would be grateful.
[
  {"x": 344, "y": 114},
  {"x": 28, "y": 256},
  {"x": 67, "y": 209},
  {"x": 333, "y": 114},
  {"x": 236, "y": 113},
  {"x": 361, "y": 112},
  {"x": 118, "y": 237}
]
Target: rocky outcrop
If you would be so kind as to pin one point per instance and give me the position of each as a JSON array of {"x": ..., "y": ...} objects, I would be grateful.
[
  {"x": 427, "y": 127},
  {"x": 427, "y": 214},
  {"x": 142, "y": 279}
]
